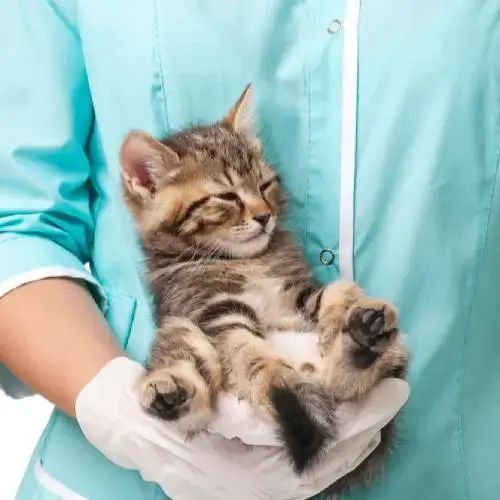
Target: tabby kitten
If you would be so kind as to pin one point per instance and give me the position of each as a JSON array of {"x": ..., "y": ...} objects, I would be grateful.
[{"x": 224, "y": 273}]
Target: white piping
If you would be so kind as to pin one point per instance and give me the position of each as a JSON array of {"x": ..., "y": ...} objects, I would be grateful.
[
  {"x": 53, "y": 485},
  {"x": 349, "y": 128},
  {"x": 42, "y": 273}
]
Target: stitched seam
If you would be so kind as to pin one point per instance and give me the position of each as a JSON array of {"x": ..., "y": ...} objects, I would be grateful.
[
  {"x": 160, "y": 64},
  {"x": 58, "y": 12},
  {"x": 307, "y": 226},
  {"x": 158, "y": 492},
  {"x": 50, "y": 429},
  {"x": 480, "y": 260}
]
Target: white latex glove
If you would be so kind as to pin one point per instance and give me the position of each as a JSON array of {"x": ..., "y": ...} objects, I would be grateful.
[{"x": 217, "y": 465}]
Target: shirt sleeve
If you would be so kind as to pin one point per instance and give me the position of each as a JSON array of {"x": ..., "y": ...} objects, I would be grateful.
[{"x": 46, "y": 226}]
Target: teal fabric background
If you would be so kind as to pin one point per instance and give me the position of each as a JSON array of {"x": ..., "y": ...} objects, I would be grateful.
[{"x": 427, "y": 214}]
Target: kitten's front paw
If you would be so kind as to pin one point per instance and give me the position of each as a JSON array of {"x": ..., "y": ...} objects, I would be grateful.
[
  {"x": 372, "y": 325},
  {"x": 178, "y": 395}
]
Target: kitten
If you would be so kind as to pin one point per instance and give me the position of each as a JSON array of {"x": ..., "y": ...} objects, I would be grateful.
[{"x": 224, "y": 273}]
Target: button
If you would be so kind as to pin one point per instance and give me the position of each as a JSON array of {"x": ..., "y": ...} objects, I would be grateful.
[
  {"x": 334, "y": 27},
  {"x": 327, "y": 256}
]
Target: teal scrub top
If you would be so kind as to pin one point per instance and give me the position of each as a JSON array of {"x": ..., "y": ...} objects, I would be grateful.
[{"x": 415, "y": 108}]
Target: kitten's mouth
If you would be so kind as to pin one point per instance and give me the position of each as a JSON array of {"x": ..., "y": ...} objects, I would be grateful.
[
  {"x": 248, "y": 240},
  {"x": 253, "y": 237},
  {"x": 244, "y": 247}
]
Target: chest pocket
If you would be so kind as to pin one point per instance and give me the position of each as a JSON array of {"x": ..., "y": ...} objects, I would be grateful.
[{"x": 206, "y": 55}]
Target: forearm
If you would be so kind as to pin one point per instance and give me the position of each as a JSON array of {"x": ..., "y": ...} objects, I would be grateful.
[{"x": 55, "y": 339}]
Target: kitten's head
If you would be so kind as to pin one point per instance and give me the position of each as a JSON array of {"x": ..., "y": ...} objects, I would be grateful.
[{"x": 209, "y": 186}]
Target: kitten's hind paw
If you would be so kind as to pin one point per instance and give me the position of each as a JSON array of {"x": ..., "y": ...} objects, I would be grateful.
[
  {"x": 372, "y": 325},
  {"x": 177, "y": 394}
]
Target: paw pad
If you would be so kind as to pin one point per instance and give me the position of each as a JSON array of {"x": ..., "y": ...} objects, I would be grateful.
[
  {"x": 166, "y": 398},
  {"x": 370, "y": 327}
]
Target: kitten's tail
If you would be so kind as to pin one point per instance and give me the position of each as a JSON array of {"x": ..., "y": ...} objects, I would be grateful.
[{"x": 305, "y": 413}]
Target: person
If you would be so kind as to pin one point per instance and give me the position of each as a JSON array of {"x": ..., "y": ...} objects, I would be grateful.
[{"x": 383, "y": 119}]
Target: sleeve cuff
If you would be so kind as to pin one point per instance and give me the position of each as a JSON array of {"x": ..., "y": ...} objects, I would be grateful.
[{"x": 24, "y": 260}]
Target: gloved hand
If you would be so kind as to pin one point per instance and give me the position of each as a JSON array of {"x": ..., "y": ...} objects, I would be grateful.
[{"x": 217, "y": 465}]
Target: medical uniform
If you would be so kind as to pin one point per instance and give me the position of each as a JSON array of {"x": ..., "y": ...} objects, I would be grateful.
[{"x": 383, "y": 119}]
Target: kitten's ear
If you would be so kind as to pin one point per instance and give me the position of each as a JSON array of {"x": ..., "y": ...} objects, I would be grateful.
[
  {"x": 144, "y": 162},
  {"x": 241, "y": 116}
]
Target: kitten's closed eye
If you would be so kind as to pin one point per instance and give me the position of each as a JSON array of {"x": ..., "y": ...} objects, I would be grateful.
[
  {"x": 229, "y": 196},
  {"x": 270, "y": 183}
]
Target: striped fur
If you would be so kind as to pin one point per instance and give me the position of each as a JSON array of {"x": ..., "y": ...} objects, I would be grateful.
[{"x": 224, "y": 273}]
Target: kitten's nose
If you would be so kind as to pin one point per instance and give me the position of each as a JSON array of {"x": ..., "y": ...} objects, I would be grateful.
[{"x": 262, "y": 219}]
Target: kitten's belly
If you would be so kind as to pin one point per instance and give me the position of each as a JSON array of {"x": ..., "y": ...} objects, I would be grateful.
[
  {"x": 288, "y": 322},
  {"x": 301, "y": 347},
  {"x": 274, "y": 309}
]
